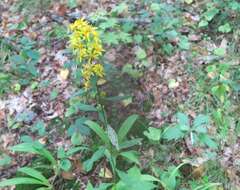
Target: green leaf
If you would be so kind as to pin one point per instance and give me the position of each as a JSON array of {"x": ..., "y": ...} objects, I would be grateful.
[
  {"x": 102, "y": 186},
  {"x": 155, "y": 7},
  {"x": 65, "y": 164},
  {"x": 117, "y": 98},
  {"x": 34, "y": 173},
  {"x": 44, "y": 152},
  {"x": 111, "y": 158},
  {"x": 126, "y": 126},
  {"x": 153, "y": 133},
  {"x": 85, "y": 107},
  {"x": 138, "y": 38},
  {"x": 109, "y": 23},
  {"x": 220, "y": 52},
  {"x": 110, "y": 38},
  {"x": 40, "y": 127},
  {"x": 76, "y": 138},
  {"x": 182, "y": 119},
  {"x": 4, "y": 76},
  {"x": 211, "y": 13},
  {"x": 73, "y": 150},
  {"x": 207, "y": 186},
  {"x": 184, "y": 43},
  {"x": 200, "y": 120},
  {"x": 125, "y": 37},
  {"x": 147, "y": 177},
  {"x": 220, "y": 91},
  {"x": 130, "y": 143},
  {"x": 79, "y": 126},
  {"x": 172, "y": 133},
  {"x": 20, "y": 180},
  {"x": 226, "y": 28},
  {"x": 131, "y": 155},
  {"x": 33, "y": 54},
  {"x": 88, "y": 164},
  {"x": 170, "y": 179},
  {"x": 140, "y": 53},
  {"x": 72, "y": 4},
  {"x": 61, "y": 153},
  {"x": 204, "y": 138},
  {"x": 24, "y": 147},
  {"x": 133, "y": 179},
  {"x": 99, "y": 131},
  {"x": 203, "y": 23},
  {"x": 200, "y": 129},
  {"x": 90, "y": 186},
  {"x": 36, "y": 148}
]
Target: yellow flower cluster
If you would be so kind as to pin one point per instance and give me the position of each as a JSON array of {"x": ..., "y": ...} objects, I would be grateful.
[
  {"x": 86, "y": 43},
  {"x": 90, "y": 70},
  {"x": 85, "y": 40}
]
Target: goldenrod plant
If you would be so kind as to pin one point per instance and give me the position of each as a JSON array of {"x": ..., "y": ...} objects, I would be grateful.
[{"x": 87, "y": 47}]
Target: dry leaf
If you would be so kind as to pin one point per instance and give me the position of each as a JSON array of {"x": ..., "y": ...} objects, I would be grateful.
[
  {"x": 43, "y": 140},
  {"x": 68, "y": 175},
  {"x": 105, "y": 173},
  {"x": 198, "y": 172},
  {"x": 64, "y": 74},
  {"x": 60, "y": 9}
]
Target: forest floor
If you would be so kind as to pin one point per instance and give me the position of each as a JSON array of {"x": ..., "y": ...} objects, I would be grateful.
[{"x": 34, "y": 104}]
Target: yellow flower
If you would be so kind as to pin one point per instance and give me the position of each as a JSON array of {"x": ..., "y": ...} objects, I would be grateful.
[
  {"x": 78, "y": 24},
  {"x": 86, "y": 44},
  {"x": 85, "y": 40},
  {"x": 90, "y": 70},
  {"x": 98, "y": 70}
]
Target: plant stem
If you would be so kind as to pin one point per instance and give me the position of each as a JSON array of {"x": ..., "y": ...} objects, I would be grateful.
[{"x": 101, "y": 107}]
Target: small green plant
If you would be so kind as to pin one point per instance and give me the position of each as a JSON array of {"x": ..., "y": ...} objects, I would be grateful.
[
  {"x": 219, "y": 82},
  {"x": 196, "y": 131},
  {"x": 169, "y": 178},
  {"x": 20, "y": 62},
  {"x": 219, "y": 12},
  {"x": 34, "y": 178},
  {"x": 132, "y": 179},
  {"x": 113, "y": 143},
  {"x": 56, "y": 165}
]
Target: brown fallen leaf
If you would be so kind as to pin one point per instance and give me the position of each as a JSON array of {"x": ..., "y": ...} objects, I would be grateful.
[
  {"x": 198, "y": 172},
  {"x": 60, "y": 9},
  {"x": 8, "y": 139},
  {"x": 67, "y": 175},
  {"x": 77, "y": 165}
]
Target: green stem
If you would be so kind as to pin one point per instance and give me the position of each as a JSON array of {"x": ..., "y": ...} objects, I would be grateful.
[{"x": 101, "y": 107}]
